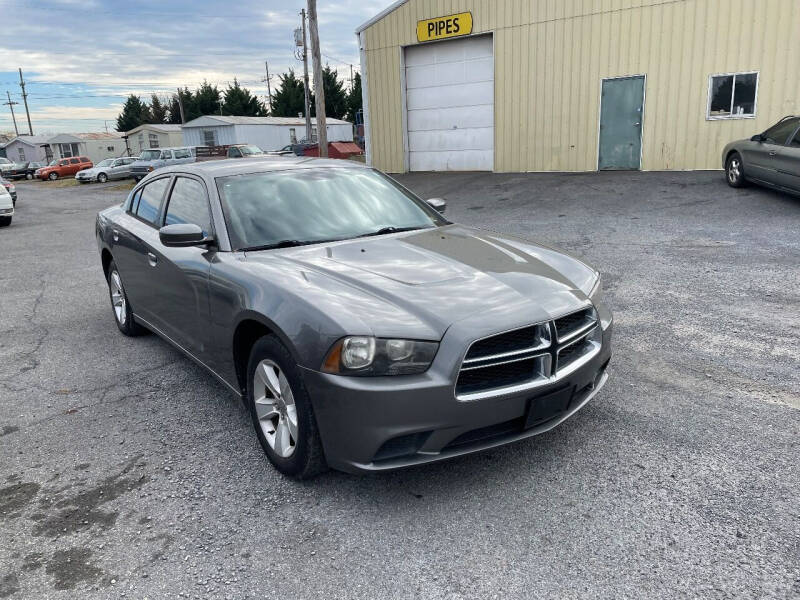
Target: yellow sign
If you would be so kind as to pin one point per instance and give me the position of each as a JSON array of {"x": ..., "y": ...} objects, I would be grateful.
[{"x": 444, "y": 27}]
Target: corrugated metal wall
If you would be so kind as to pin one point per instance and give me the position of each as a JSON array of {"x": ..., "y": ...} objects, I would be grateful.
[{"x": 550, "y": 58}]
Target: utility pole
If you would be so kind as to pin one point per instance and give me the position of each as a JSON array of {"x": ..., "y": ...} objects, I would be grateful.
[
  {"x": 351, "y": 77},
  {"x": 305, "y": 80},
  {"x": 10, "y": 105},
  {"x": 269, "y": 90},
  {"x": 180, "y": 105},
  {"x": 319, "y": 90},
  {"x": 25, "y": 100}
]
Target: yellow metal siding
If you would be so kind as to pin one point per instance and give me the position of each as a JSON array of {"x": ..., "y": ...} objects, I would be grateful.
[{"x": 550, "y": 59}]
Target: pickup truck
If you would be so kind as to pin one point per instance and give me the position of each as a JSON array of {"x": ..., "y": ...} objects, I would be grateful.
[{"x": 150, "y": 160}]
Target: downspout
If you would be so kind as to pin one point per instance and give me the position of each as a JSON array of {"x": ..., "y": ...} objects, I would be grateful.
[{"x": 365, "y": 94}]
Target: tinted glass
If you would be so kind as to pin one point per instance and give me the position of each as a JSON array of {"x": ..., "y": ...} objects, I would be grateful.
[
  {"x": 317, "y": 205},
  {"x": 133, "y": 204},
  {"x": 795, "y": 143},
  {"x": 188, "y": 204},
  {"x": 63, "y": 163},
  {"x": 744, "y": 94},
  {"x": 151, "y": 200},
  {"x": 149, "y": 154},
  {"x": 183, "y": 153},
  {"x": 74, "y": 161},
  {"x": 778, "y": 134}
]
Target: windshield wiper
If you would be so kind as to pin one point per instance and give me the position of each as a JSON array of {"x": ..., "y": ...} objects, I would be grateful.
[
  {"x": 390, "y": 229},
  {"x": 281, "y": 244}
]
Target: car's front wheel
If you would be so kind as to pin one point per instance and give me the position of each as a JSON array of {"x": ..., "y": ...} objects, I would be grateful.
[
  {"x": 52, "y": 176},
  {"x": 734, "y": 171},
  {"x": 28, "y": 176},
  {"x": 281, "y": 411},
  {"x": 123, "y": 314},
  {"x": 5, "y": 221},
  {"x": 102, "y": 178}
]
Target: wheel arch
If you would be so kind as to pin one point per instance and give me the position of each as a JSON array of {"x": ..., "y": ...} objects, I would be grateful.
[
  {"x": 106, "y": 258},
  {"x": 250, "y": 328}
]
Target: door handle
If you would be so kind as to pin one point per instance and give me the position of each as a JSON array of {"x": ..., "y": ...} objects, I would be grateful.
[
  {"x": 637, "y": 124},
  {"x": 152, "y": 259},
  {"x": 772, "y": 152},
  {"x": 115, "y": 234}
]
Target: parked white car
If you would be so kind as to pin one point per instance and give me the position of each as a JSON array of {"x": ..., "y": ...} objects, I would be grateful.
[
  {"x": 110, "y": 168},
  {"x": 6, "y": 207}
]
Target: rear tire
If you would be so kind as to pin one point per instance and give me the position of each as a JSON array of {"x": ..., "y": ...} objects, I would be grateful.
[
  {"x": 28, "y": 176},
  {"x": 52, "y": 176},
  {"x": 281, "y": 411},
  {"x": 734, "y": 171},
  {"x": 5, "y": 221},
  {"x": 121, "y": 307}
]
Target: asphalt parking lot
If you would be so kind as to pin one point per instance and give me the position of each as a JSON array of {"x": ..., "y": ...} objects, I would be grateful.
[{"x": 127, "y": 471}]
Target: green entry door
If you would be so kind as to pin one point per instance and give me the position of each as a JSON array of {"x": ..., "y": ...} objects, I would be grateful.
[{"x": 622, "y": 106}]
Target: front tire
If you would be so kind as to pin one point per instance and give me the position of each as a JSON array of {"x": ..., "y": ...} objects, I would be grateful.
[
  {"x": 281, "y": 411},
  {"x": 123, "y": 315},
  {"x": 28, "y": 176},
  {"x": 52, "y": 176},
  {"x": 102, "y": 178},
  {"x": 734, "y": 171},
  {"x": 5, "y": 221}
]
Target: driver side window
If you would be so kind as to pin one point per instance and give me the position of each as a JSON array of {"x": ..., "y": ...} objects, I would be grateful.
[
  {"x": 778, "y": 134},
  {"x": 188, "y": 203}
]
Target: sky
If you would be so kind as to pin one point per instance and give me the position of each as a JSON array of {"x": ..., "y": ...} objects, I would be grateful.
[{"x": 81, "y": 58}]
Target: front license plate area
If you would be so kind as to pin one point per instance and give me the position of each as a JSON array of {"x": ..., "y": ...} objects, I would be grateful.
[{"x": 544, "y": 408}]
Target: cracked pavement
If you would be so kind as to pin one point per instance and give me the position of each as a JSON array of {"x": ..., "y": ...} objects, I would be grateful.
[{"x": 127, "y": 471}]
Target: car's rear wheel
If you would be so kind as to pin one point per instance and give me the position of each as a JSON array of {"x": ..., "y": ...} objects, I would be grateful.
[
  {"x": 5, "y": 221},
  {"x": 123, "y": 314},
  {"x": 29, "y": 176},
  {"x": 52, "y": 176},
  {"x": 734, "y": 172},
  {"x": 102, "y": 178},
  {"x": 281, "y": 411}
]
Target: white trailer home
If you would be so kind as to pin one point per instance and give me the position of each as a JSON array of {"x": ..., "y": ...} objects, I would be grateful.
[{"x": 269, "y": 133}]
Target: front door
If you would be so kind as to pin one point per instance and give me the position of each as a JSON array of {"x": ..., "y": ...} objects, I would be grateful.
[
  {"x": 622, "y": 108},
  {"x": 788, "y": 164}
]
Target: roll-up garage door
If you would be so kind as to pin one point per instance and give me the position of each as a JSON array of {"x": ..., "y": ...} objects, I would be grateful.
[{"x": 450, "y": 105}]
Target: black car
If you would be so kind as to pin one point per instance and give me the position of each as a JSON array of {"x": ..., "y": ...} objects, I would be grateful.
[
  {"x": 17, "y": 171},
  {"x": 31, "y": 168}
]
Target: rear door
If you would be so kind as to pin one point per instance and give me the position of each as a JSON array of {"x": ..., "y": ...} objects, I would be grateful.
[
  {"x": 132, "y": 243},
  {"x": 788, "y": 164},
  {"x": 74, "y": 166},
  {"x": 179, "y": 284}
]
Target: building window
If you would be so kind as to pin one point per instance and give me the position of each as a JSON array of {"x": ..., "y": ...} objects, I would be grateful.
[
  {"x": 68, "y": 150},
  {"x": 732, "y": 96},
  {"x": 22, "y": 154},
  {"x": 209, "y": 137},
  {"x": 141, "y": 141},
  {"x": 292, "y": 135},
  {"x": 153, "y": 138}
]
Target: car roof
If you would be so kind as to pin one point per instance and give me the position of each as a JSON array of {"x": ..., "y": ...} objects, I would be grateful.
[{"x": 260, "y": 164}]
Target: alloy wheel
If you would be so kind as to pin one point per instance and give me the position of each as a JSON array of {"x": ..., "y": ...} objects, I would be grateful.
[
  {"x": 734, "y": 170},
  {"x": 275, "y": 408},
  {"x": 117, "y": 297}
]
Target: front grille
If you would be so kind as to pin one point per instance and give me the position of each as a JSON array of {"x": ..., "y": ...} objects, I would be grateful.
[{"x": 529, "y": 354}]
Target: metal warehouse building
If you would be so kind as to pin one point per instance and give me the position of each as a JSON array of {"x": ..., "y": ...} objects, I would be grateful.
[{"x": 574, "y": 85}]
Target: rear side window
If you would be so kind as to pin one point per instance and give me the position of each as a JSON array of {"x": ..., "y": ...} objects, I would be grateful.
[
  {"x": 74, "y": 161},
  {"x": 166, "y": 154},
  {"x": 188, "y": 203},
  {"x": 63, "y": 163},
  {"x": 795, "y": 143},
  {"x": 84, "y": 159},
  {"x": 134, "y": 201},
  {"x": 150, "y": 200}
]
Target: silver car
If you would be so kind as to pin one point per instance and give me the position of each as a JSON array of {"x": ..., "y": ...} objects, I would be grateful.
[
  {"x": 150, "y": 160},
  {"x": 110, "y": 168},
  {"x": 771, "y": 158}
]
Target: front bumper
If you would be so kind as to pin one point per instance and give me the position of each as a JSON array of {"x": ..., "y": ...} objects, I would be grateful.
[
  {"x": 6, "y": 212},
  {"x": 84, "y": 176},
  {"x": 370, "y": 424}
]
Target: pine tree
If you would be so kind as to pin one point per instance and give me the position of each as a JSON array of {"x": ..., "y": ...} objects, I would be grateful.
[
  {"x": 237, "y": 100},
  {"x": 158, "y": 110},
  {"x": 205, "y": 102},
  {"x": 134, "y": 113},
  {"x": 354, "y": 99},
  {"x": 288, "y": 100},
  {"x": 335, "y": 94}
]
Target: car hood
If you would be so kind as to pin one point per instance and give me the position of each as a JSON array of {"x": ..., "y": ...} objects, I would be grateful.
[
  {"x": 424, "y": 281},
  {"x": 92, "y": 170}
]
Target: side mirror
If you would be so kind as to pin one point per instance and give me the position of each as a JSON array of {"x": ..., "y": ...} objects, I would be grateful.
[
  {"x": 437, "y": 204},
  {"x": 757, "y": 138},
  {"x": 182, "y": 234}
]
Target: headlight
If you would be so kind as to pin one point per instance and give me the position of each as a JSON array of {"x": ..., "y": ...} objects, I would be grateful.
[{"x": 369, "y": 356}]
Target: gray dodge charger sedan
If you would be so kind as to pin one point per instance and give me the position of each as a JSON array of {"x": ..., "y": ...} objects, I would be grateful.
[{"x": 362, "y": 329}]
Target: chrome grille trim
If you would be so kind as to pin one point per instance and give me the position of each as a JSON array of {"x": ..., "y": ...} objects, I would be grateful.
[{"x": 552, "y": 348}]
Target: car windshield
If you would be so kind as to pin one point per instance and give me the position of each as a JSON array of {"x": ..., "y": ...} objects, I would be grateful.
[
  {"x": 286, "y": 208},
  {"x": 150, "y": 154},
  {"x": 105, "y": 163},
  {"x": 250, "y": 150}
]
